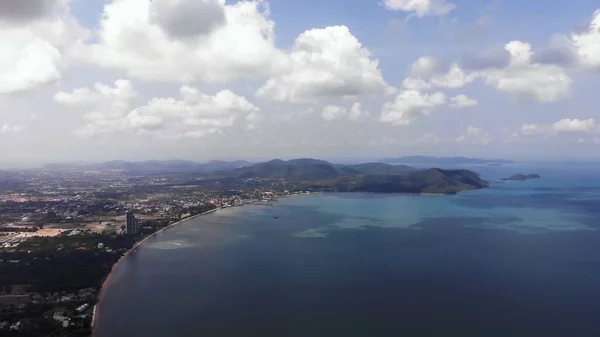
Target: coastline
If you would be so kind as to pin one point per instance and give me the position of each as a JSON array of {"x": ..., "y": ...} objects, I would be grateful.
[{"x": 96, "y": 312}]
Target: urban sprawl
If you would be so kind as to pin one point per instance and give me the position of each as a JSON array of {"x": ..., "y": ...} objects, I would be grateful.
[{"x": 62, "y": 231}]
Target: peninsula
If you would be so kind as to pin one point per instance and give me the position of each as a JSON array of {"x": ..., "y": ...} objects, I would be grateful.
[{"x": 319, "y": 175}]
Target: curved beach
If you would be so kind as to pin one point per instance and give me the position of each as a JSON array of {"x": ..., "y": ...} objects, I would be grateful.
[{"x": 105, "y": 283}]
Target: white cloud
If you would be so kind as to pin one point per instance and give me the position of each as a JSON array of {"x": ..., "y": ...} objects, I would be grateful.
[
  {"x": 462, "y": 101},
  {"x": 455, "y": 78},
  {"x": 112, "y": 99},
  {"x": 410, "y": 105},
  {"x": 27, "y": 62},
  {"x": 564, "y": 126},
  {"x": 531, "y": 129},
  {"x": 541, "y": 82},
  {"x": 104, "y": 106},
  {"x": 193, "y": 115},
  {"x": 328, "y": 62},
  {"x": 523, "y": 76},
  {"x": 475, "y": 136},
  {"x": 421, "y": 7},
  {"x": 425, "y": 66},
  {"x": 417, "y": 84},
  {"x": 425, "y": 74},
  {"x": 334, "y": 112},
  {"x": 131, "y": 38},
  {"x": 187, "y": 18},
  {"x": 587, "y": 44},
  {"x": 575, "y": 126},
  {"x": 34, "y": 53},
  {"x": 5, "y": 128}
]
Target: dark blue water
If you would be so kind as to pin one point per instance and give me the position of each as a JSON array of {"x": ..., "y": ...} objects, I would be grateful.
[{"x": 518, "y": 259}]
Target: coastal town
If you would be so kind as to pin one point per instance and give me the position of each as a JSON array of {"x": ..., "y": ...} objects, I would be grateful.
[
  {"x": 63, "y": 229},
  {"x": 61, "y": 232}
]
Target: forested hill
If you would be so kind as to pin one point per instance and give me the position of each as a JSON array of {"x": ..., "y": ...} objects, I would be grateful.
[{"x": 368, "y": 177}]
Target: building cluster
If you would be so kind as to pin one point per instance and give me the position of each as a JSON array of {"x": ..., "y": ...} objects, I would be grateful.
[{"x": 74, "y": 204}]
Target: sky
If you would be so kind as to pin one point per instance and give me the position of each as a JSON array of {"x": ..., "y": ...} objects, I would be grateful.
[{"x": 95, "y": 80}]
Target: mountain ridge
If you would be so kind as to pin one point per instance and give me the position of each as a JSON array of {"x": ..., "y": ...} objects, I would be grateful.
[
  {"x": 366, "y": 177},
  {"x": 153, "y": 166}
]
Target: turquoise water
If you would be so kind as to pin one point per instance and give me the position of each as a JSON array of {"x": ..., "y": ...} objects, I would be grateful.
[{"x": 517, "y": 259}]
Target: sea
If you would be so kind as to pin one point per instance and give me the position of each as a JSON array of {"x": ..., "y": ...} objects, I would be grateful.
[{"x": 516, "y": 259}]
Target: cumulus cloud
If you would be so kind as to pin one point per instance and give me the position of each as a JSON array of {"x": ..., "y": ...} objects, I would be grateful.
[
  {"x": 425, "y": 66},
  {"x": 475, "y": 136},
  {"x": 564, "y": 126},
  {"x": 35, "y": 53},
  {"x": 131, "y": 38},
  {"x": 187, "y": 18},
  {"x": 560, "y": 52},
  {"x": 421, "y": 7},
  {"x": 462, "y": 101},
  {"x": 523, "y": 78},
  {"x": 455, "y": 78},
  {"x": 587, "y": 44},
  {"x": 116, "y": 97},
  {"x": 580, "y": 48},
  {"x": 418, "y": 84},
  {"x": 27, "y": 62},
  {"x": 575, "y": 126},
  {"x": 26, "y": 10},
  {"x": 334, "y": 112},
  {"x": 410, "y": 105},
  {"x": 427, "y": 72},
  {"x": 328, "y": 62},
  {"x": 193, "y": 115},
  {"x": 103, "y": 106},
  {"x": 520, "y": 75}
]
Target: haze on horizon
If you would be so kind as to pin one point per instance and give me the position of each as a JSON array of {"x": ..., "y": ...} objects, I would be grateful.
[{"x": 98, "y": 80}]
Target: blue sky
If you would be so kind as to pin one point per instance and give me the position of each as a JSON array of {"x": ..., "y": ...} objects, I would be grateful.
[{"x": 214, "y": 79}]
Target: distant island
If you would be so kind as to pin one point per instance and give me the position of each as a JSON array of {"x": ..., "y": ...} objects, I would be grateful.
[
  {"x": 428, "y": 160},
  {"x": 522, "y": 177},
  {"x": 319, "y": 175}
]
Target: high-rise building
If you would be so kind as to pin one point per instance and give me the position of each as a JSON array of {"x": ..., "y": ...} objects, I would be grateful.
[{"x": 131, "y": 226}]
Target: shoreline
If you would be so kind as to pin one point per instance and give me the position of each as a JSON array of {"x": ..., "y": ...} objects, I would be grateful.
[{"x": 96, "y": 311}]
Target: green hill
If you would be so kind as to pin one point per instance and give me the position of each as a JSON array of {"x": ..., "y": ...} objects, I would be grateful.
[{"x": 369, "y": 177}]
